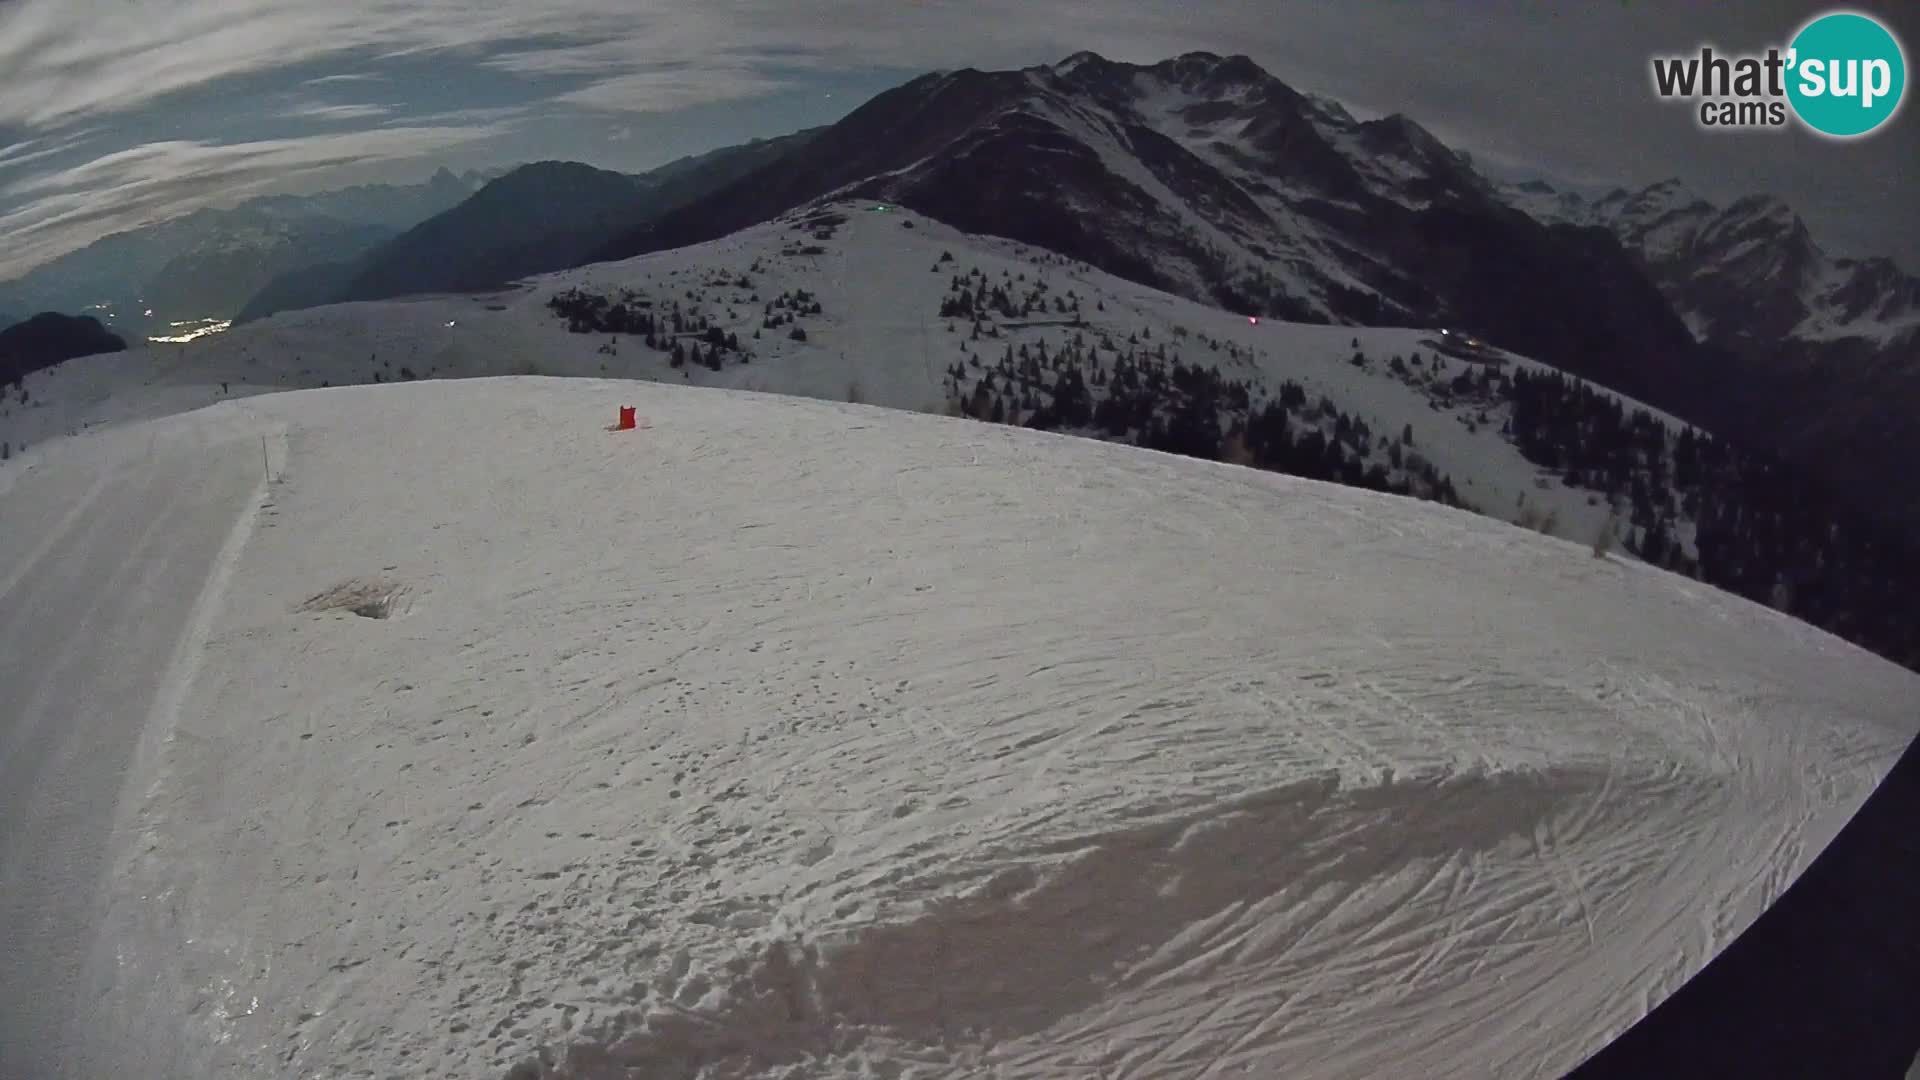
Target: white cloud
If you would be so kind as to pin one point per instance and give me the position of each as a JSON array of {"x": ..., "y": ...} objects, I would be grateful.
[
  {"x": 333, "y": 80},
  {"x": 65, "y": 60},
  {"x": 30, "y": 150},
  {"x": 492, "y": 115},
  {"x": 592, "y": 58},
  {"x": 666, "y": 91},
  {"x": 317, "y": 111}
]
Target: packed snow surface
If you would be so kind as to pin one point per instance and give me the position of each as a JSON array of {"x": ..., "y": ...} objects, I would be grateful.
[{"x": 781, "y": 738}]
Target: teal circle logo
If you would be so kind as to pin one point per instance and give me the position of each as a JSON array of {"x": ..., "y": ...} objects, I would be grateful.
[{"x": 1847, "y": 74}]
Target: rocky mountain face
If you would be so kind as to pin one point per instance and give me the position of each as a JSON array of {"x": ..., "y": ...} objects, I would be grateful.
[
  {"x": 1744, "y": 274},
  {"x": 1827, "y": 348},
  {"x": 1206, "y": 176}
]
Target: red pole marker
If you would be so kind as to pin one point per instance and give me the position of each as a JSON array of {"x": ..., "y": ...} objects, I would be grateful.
[{"x": 627, "y": 421}]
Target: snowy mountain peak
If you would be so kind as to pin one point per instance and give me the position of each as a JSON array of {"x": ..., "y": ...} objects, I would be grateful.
[
  {"x": 1665, "y": 198},
  {"x": 1329, "y": 111},
  {"x": 1207, "y": 177},
  {"x": 1399, "y": 132},
  {"x": 1769, "y": 209},
  {"x": 1745, "y": 272},
  {"x": 1219, "y": 78},
  {"x": 1083, "y": 58},
  {"x": 1826, "y": 345}
]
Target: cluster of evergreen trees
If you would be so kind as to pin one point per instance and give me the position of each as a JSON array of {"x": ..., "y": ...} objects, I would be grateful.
[
  {"x": 1141, "y": 393},
  {"x": 685, "y": 334},
  {"x": 1159, "y": 401},
  {"x": 784, "y": 309},
  {"x": 1762, "y": 528},
  {"x": 974, "y": 296},
  {"x": 591, "y": 313},
  {"x": 685, "y": 337}
]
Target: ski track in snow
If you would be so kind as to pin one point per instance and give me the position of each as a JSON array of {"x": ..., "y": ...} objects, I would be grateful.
[
  {"x": 94, "y": 594},
  {"x": 793, "y": 739}
]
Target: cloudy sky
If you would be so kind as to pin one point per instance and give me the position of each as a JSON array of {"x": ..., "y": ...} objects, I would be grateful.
[{"x": 114, "y": 113}]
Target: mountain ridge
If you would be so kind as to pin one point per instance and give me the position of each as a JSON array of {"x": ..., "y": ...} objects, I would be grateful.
[
  {"x": 1711, "y": 259},
  {"x": 1827, "y": 348},
  {"x": 1207, "y": 177},
  {"x": 262, "y": 235},
  {"x": 532, "y": 219}
]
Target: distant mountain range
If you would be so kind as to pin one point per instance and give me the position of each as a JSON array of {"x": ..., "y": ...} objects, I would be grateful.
[
  {"x": 1746, "y": 274},
  {"x": 1825, "y": 351},
  {"x": 546, "y": 216},
  {"x": 207, "y": 264}
]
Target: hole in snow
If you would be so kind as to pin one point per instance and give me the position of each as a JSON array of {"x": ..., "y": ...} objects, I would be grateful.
[{"x": 367, "y": 599}]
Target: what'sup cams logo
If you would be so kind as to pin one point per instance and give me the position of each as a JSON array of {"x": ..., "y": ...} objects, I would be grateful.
[{"x": 1842, "y": 75}]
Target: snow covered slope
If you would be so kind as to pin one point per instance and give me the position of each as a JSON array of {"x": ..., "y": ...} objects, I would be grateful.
[
  {"x": 793, "y": 739},
  {"x": 880, "y": 336}
]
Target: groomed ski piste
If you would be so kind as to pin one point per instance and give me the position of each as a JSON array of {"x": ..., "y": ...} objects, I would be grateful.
[{"x": 789, "y": 738}]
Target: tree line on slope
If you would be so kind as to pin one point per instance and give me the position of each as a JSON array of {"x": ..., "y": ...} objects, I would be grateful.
[
  {"x": 1744, "y": 521},
  {"x": 1693, "y": 504},
  {"x": 1145, "y": 394},
  {"x": 685, "y": 334},
  {"x": 1759, "y": 528},
  {"x": 1762, "y": 528}
]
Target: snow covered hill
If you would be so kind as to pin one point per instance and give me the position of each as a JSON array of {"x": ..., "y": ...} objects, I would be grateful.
[
  {"x": 1209, "y": 178},
  {"x": 881, "y": 280},
  {"x": 780, "y": 738}
]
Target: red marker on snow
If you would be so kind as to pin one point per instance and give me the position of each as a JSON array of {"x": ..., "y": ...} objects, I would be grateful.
[{"x": 627, "y": 420}]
